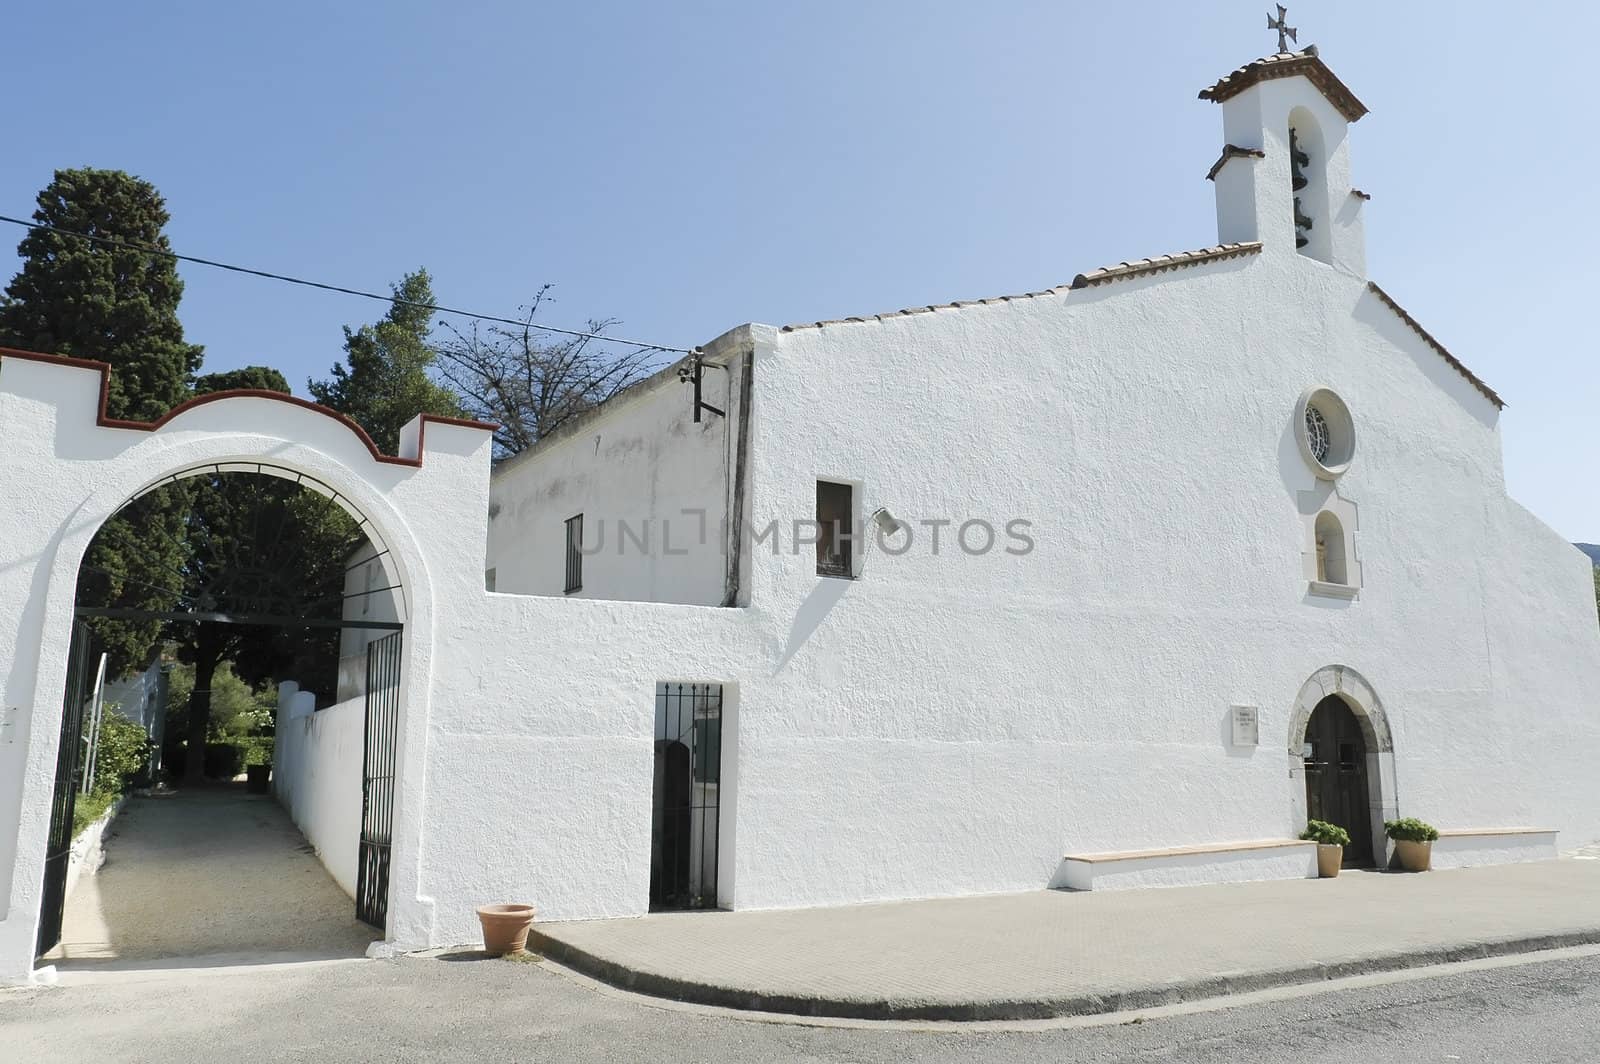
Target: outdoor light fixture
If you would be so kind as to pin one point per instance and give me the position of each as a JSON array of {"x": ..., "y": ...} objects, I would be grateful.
[{"x": 888, "y": 524}]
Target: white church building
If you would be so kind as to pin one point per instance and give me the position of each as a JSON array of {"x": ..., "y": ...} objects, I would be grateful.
[{"x": 1109, "y": 584}]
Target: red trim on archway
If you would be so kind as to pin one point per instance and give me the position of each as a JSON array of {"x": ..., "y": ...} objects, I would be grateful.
[{"x": 104, "y": 369}]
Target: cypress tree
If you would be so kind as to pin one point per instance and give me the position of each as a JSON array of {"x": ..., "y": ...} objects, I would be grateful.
[
  {"x": 386, "y": 380},
  {"x": 86, "y": 299}
]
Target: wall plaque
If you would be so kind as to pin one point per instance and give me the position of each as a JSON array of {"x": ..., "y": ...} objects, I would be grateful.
[{"x": 1246, "y": 726}]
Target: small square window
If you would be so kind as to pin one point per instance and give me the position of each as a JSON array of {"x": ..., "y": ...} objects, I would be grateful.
[
  {"x": 574, "y": 554},
  {"x": 835, "y": 528}
]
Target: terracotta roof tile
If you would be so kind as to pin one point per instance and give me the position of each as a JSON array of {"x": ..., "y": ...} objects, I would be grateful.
[
  {"x": 1232, "y": 151},
  {"x": 1161, "y": 263},
  {"x": 1488, "y": 392},
  {"x": 1120, "y": 271},
  {"x": 1286, "y": 65},
  {"x": 931, "y": 308}
]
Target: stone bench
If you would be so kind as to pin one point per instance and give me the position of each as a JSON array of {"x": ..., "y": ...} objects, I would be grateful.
[
  {"x": 1466, "y": 847},
  {"x": 1182, "y": 866}
]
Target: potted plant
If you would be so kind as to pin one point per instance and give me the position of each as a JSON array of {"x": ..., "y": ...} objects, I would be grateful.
[
  {"x": 505, "y": 928},
  {"x": 1413, "y": 842},
  {"x": 1331, "y": 839}
]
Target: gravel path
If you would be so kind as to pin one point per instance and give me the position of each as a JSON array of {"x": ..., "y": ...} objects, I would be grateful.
[{"x": 208, "y": 871}]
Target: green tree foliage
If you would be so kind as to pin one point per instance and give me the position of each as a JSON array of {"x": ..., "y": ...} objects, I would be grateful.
[
  {"x": 237, "y": 710},
  {"x": 245, "y": 378},
  {"x": 78, "y": 297},
  {"x": 387, "y": 375},
  {"x": 251, "y": 545},
  {"x": 135, "y": 562}
]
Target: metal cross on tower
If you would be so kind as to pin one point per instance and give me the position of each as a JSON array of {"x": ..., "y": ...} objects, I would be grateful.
[{"x": 1286, "y": 32}]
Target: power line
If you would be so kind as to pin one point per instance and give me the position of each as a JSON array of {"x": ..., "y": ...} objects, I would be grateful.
[{"x": 435, "y": 308}]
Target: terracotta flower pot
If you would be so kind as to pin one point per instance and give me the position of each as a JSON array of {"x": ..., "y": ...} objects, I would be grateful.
[
  {"x": 505, "y": 927},
  {"x": 1414, "y": 856},
  {"x": 1329, "y": 859}
]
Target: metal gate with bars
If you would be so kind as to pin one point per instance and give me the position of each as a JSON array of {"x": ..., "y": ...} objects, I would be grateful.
[
  {"x": 69, "y": 764},
  {"x": 686, "y": 817},
  {"x": 377, "y": 780}
]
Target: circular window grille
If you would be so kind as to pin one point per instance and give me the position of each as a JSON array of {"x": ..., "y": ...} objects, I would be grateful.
[{"x": 1317, "y": 434}]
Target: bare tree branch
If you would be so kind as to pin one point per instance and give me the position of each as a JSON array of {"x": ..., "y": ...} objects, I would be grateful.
[{"x": 531, "y": 385}]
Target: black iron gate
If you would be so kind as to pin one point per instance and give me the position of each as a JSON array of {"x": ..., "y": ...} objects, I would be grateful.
[
  {"x": 377, "y": 780},
  {"x": 69, "y": 765},
  {"x": 686, "y": 816}
]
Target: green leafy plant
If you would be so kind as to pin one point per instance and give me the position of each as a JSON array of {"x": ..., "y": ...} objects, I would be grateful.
[
  {"x": 122, "y": 757},
  {"x": 1320, "y": 831},
  {"x": 1410, "y": 829}
]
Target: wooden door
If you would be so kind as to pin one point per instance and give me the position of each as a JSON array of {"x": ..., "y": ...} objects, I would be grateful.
[{"x": 1336, "y": 776}]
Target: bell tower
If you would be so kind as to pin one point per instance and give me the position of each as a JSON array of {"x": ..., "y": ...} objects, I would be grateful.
[{"x": 1283, "y": 177}]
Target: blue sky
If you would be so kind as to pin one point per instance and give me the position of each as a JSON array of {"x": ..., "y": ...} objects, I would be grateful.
[{"x": 689, "y": 167}]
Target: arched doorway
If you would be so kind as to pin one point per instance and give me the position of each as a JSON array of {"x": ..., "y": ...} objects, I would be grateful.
[
  {"x": 73, "y": 468},
  {"x": 1336, "y": 776},
  {"x": 1341, "y": 761},
  {"x": 245, "y": 575}
]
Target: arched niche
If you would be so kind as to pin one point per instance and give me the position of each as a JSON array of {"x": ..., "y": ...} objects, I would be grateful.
[{"x": 1311, "y": 201}]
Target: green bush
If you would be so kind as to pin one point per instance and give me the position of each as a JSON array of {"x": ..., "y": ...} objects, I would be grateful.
[
  {"x": 122, "y": 758},
  {"x": 1410, "y": 829},
  {"x": 223, "y": 761},
  {"x": 1320, "y": 831},
  {"x": 124, "y": 752},
  {"x": 91, "y": 807}
]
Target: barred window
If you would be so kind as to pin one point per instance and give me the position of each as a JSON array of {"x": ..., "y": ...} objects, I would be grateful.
[{"x": 574, "y": 555}]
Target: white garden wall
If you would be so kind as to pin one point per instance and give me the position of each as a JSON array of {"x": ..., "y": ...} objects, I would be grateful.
[
  {"x": 316, "y": 774},
  {"x": 651, "y": 484}
]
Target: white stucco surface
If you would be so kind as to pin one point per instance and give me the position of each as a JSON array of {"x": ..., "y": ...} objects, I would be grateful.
[
  {"x": 1467, "y": 849},
  {"x": 316, "y": 774},
  {"x": 946, "y": 723},
  {"x": 652, "y": 487}
]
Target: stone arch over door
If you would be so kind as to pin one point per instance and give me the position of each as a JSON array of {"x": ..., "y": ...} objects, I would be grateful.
[
  {"x": 76, "y": 468},
  {"x": 1350, "y": 687}
]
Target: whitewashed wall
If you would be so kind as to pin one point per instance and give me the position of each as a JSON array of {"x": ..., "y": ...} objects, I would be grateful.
[
  {"x": 74, "y": 471},
  {"x": 316, "y": 774},
  {"x": 367, "y": 574},
  {"x": 651, "y": 485},
  {"x": 945, "y": 723},
  {"x": 137, "y": 697}
]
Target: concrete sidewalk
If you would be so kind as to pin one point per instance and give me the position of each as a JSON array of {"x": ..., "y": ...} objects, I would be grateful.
[{"x": 1053, "y": 953}]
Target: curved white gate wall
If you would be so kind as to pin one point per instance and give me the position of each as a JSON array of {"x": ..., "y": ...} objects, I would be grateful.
[{"x": 65, "y": 469}]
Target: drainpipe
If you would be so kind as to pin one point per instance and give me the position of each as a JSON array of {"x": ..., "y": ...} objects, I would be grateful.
[{"x": 731, "y": 581}]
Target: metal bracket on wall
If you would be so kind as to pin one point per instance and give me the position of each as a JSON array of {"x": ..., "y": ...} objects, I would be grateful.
[{"x": 692, "y": 374}]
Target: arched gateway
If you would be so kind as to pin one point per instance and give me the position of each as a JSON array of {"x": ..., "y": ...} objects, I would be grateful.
[
  {"x": 67, "y": 468},
  {"x": 1341, "y": 760}
]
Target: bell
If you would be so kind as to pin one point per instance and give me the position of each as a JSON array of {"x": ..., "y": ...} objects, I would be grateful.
[{"x": 1298, "y": 161}]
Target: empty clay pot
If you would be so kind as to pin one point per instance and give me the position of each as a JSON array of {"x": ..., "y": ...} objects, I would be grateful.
[{"x": 505, "y": 927}]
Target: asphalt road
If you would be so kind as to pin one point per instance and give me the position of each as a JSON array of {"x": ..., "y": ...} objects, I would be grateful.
[{"x": 415, "y": 1009}]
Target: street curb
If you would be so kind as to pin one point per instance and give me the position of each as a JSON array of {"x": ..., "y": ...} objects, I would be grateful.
[{"x": 1047, "y": 1008}]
